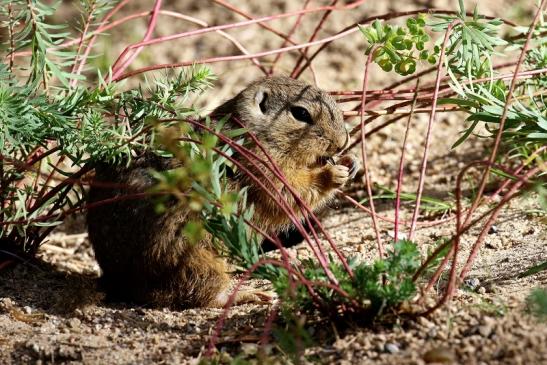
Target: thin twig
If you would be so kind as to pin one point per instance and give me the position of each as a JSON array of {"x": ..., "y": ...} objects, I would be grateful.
[
  {"x": 366, "y": 175},
  {"x": 117, "y": 69},
  {"x": 401, "y": 165},
  {"x": 429, "y": 129}
]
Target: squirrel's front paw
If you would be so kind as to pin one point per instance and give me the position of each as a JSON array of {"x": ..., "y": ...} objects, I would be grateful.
[
  {"x": 351, "y": 163},
  {"x": 334, "y": 176}
]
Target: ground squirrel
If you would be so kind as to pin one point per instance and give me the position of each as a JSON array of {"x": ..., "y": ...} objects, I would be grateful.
[{"x": 142, "y": 254}]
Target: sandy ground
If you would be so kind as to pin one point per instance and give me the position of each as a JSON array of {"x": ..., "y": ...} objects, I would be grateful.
[{"x": 52, "y": 312}]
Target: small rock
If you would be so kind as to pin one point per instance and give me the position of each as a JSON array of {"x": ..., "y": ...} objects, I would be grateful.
[
  {"x": 74, "y": 323},
  {"x": 472, "y": 283},
  {"x": 34, "y": 347},
  {"x": 425, "y": 322},
  {"x": 494, "y": 244},
  {"x": 493, "y": 230},
  {"x": 400, "y": 236},
  {"x": 481, "y": 290},
  {"x": 6, "y": 304},
  {"x": 249, "y": 348},
  {"x": 439, "y": 354},
  {"x": 530, "y": 231},
  {"x": 432, "y": 333},
  {"x": 487, "y": 327},
  {"x": 392, "y": 348},
  {"x": 27, "y": 309}
]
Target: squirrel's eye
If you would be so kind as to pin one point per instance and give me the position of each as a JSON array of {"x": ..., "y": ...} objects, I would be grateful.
[{"x": 301, "y": 114}]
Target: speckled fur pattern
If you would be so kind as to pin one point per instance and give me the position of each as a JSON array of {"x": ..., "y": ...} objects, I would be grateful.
[{"x": 143, "y": 256}]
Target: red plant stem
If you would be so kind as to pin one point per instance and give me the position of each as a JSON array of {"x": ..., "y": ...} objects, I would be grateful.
[
  {"x": 374, "y": 130},
  {"x": 304, "y": 53},
  {"x": 503, "y": 119},
  {"x": 387, "y": 16},
  {"x": 429, "y": 129},
  {"x": 306, "y": 210},
  {"x": 246, "y": 276},
  {"x": 75, "y": 66},
  {"x": 101, "y": 28},
  {"x": 283, "y": 36},
  {"x": 315, "y": 32},
  {"x": 267, "y": 326},
  {"x": 364, "y": 154},
  {"x": 513, "y": 192},
  {"x": 148, "y": 42},
  {"x": 401, "y": 166},
  {"x": 308, "y": 213},
  {"x": 290, "y": 34},
  {"x": 459, "y": 232},
  {"x": 520, "y": 75},
  {"x": 518, "y": 170},
  {"x": 492, "y": 219},
  {"x": 227, "y": 58},
  {"x": 118, "y": 69},
  {"x": 50, "y": 176},
  {"x": 11, "y": 53},
  {"x": 250, "y": 17},
  {"x": 390, "y": 109},
  {"x": 431, "y": 69},
  {"x": 386, "y": 219}
]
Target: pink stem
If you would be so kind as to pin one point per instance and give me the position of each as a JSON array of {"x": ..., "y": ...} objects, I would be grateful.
[
  {"x": 290, "y": 34},
  {"x": 364, "y": 154},
  {"x": 492, "y": 219},
  {"x": 75, "y": 67},
  {"x": 429, "y": 129},
  {"x": 518, "y": 170},
  {"x": 118, "y": 69},
  {"x": 386, "y": 219},
  {"x": 237, "y": 25},
  {"x": 401, "y": 167}
]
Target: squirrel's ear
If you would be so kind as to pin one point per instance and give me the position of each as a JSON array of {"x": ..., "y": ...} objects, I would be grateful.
[{"x": 261, "y": 97}]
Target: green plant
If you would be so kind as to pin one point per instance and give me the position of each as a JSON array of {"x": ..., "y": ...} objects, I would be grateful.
[
  {"x": 57, "y": 119},
  {"x": 537, "y": 303},
  {"x": 399, "y": 48},
  {"x": 54, "y": 124},
  {"x": 470, "y": 47}
]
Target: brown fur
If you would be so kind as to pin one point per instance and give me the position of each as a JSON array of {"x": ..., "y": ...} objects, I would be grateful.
[{"x": 144, "y": 257}]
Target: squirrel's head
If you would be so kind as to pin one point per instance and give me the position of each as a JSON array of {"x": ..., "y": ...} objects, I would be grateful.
[{"x": 295, "y": 121}]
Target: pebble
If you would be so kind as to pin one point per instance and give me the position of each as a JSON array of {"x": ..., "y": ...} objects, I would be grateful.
[
  {"x": 487, "y": 327},
  {"x": 74, "y": 323},
  {"x": 442, "y": 355},
  {"x": 425, "y": 322},
  {"x": 249, "y": 348},
  {"x": 493, "y": 230},
  {"x": 35, "y": 348},
  {"x": 392, "y": 348},
  {"x": 472, "y": 283},
  {"x": 27, "y": 309},
  {"x": 494, "y": 244},
  {"x": 401, "y": 235}
]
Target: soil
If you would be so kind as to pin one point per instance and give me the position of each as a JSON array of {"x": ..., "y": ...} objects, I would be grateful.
[{"x": 51, "y": 310}]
